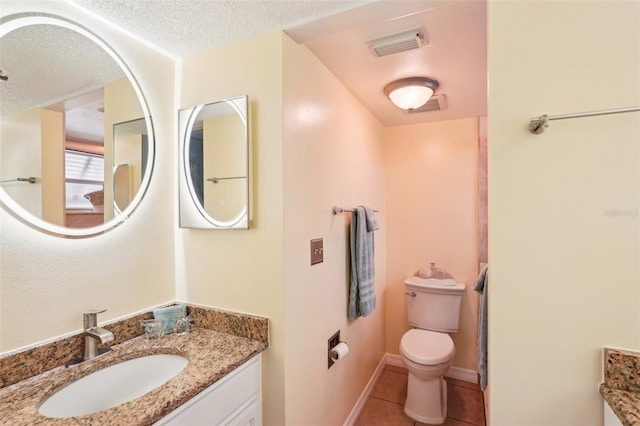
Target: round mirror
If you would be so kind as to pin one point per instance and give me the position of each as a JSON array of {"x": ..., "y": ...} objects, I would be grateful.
[{"x": 76, "y": 138}]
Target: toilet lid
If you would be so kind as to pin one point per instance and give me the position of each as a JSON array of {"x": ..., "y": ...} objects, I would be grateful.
[{"x": 427, "y": 347}]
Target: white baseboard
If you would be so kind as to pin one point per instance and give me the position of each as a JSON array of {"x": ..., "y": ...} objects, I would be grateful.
[
  {"x": 394, "y": 360},
  {"x": 357, "y": 408},
  {"x": 464, "y": 374}
]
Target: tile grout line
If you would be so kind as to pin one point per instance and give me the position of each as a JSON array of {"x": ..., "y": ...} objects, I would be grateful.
[{"x": 386, "y": 400}]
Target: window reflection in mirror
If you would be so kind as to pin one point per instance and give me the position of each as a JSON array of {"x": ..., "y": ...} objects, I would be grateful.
[
  {"x": 214, "y": 165},
  {"x": 84, "y": 165},
  {"x": 84, "y": 181}
]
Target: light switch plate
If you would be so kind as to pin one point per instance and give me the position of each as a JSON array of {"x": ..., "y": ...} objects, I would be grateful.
[{"x": 317, "y": 251}]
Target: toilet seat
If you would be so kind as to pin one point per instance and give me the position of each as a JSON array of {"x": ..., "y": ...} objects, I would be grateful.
[{"x": 427, "y": 347}]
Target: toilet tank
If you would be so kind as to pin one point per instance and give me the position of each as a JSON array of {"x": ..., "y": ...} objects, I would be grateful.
[{"x": 433, "y": 304}]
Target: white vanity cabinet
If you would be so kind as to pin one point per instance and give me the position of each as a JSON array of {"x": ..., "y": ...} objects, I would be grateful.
[{"x": 233, "y": 400}]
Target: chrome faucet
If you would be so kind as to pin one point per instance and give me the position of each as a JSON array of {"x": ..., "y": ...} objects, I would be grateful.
[{"x": 93, "y": 333}]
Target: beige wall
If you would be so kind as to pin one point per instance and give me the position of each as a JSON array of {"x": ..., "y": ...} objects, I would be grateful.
[
  {"x": 333, "y": 155},
  {"x": 563, "y": 206},
  {"x": 242, "y": 270},
  {"x": 432, "y": 217},
  {"x": 21, "y": 156},
  {"x": 47, "y": 282},
  {"x": 53, "y": 167},
  {"x": 28, "y": 137},
  {"x": 224, "y": 156}
]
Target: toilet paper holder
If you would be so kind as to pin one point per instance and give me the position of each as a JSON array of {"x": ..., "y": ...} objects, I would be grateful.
[{"x": 336, "y": 349}]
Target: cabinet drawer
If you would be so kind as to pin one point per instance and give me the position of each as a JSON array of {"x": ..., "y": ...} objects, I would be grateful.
[
  {"x": 249, "y": 415},
  {"x": 223, "y": 400}
]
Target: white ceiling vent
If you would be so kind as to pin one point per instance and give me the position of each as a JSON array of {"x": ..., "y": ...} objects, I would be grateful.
[
  {"x": 400, "y": 42},
  {"x": 436, "y": 103}
]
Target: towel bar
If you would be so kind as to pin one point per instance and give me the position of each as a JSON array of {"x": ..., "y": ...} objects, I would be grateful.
[
  {"x": 336, "y": 210},
  {"x": 218, "y": 179},
  {"x": 538, "y": 124},
  {"x": 30, "y": 179}
]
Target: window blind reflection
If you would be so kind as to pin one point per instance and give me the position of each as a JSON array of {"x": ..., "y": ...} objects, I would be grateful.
[{"x": 84, "y": 173}]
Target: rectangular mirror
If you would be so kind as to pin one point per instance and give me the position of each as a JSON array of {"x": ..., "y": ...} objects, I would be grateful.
[
  {"x": 130, "y": 150},
  {"x": 214, "y": 165}
]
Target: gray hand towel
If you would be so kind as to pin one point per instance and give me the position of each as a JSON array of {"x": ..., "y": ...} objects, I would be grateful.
[
  {"x": 481, "y": 286},
  {"x": 372, "y": 223},
  {"x": 362, "y": 294}
]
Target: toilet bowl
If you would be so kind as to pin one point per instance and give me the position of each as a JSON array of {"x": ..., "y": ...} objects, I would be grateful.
[
  {"x": 428, "y": 356},
  {"x": 427, "y": 350}
]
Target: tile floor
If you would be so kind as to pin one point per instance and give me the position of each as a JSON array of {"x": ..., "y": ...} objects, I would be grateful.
[{"x": 384, "y": 407}]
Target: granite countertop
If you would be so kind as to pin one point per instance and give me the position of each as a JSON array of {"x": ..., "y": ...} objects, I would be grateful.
[
  {"x": 621, "y": 387},
  {"x": 211, "y": 355},
  {"x": 625, "y": 404}
]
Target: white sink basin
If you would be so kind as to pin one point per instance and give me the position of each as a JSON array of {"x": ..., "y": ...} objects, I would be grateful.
[{"x": 113, "y": 385}]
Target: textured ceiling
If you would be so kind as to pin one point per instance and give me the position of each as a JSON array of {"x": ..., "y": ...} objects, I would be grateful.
[
  {"x": 42, "y": 62},
  {"x": 186, "y": 27}
]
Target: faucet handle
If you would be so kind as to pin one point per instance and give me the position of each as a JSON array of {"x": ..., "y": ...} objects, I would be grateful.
[
  {"x": 90, "y": 318},
  {"x": 94, "y": 311}
]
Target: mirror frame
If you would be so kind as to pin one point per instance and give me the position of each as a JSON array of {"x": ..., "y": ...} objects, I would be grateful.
[
  {"x": 192, "y": 213},
  {"x": 13, "y": 22}
]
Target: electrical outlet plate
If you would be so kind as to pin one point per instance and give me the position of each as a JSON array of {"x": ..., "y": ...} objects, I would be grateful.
[
  {"x": 331, "y": 343},
  {"x": 317, "y": 251}
]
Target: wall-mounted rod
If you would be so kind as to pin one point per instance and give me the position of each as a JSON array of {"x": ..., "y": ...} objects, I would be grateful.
[
  {"x": 30, "y": 179},
  {"x": 538, "y": 124},
  {"x": 217, "y": 179},
  {"x": 337, "y": 210}
]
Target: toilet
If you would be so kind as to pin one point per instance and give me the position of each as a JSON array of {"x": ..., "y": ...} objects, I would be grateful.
[{"x": 427, "y": 350}]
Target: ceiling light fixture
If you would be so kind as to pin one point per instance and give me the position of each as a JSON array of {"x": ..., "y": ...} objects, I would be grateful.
[{"x": 411, "y": 93}]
